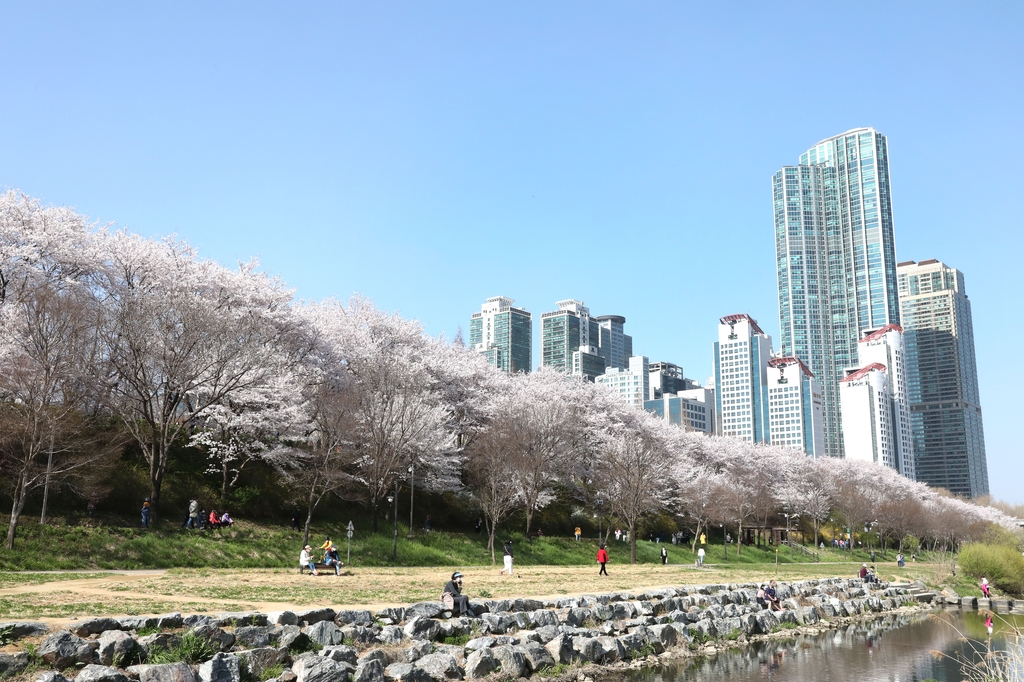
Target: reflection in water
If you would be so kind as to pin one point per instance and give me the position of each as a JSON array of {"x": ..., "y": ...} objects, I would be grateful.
[{"x": 896, "y": 648}]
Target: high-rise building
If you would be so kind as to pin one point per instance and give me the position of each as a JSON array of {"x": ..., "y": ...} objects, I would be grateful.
[
  {"x": 795, "y": 406},
  {"x": 945, "y": 404},
  {"x": 631, "y": 384},
  {"x": 875, "y": 403},
  {"x": 503, "y": 334},
  {"x": 692, "y": 409},
  {"x": 742, "y": 353},
  {"x": 835, "y": 258},
  {"x": 668, "y": 378},
  {"x": 615, "y": 346},
  {"x": 569, "y": 340}
]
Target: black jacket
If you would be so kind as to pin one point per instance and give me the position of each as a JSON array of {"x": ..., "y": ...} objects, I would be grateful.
[
  {"x": 453, "y": 588},
  {"x": 508, "y": 549}
]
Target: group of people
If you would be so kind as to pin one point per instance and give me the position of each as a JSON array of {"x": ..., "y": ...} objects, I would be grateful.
[
  {"x": 868, "y": 575},
  {"x": 768, "y": 598},
  {"x": 329, "y": 554},
  {"x": 198, "y": 518}
]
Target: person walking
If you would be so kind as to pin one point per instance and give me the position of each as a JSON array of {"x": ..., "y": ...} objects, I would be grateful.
[
  {"x": 193, "y": 514},
  {"x": 508, "y": 558},
  {"x": 700, "y": 558},
  {"x": 602, "y": 558},
  {"x": 146, "y": 510},
  {"x": 664, "y": 555},
  {"x": 578, "y": 533},
  {"x": 703, "y": 539}
]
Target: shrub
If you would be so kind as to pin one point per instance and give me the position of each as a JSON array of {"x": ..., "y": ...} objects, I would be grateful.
[
  {"x": 1001, "y": 564},
  {"x": 192, "y": 649}
]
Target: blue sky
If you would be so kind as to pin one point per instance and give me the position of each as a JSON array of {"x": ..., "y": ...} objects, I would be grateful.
[{"x": 430, "y": 155}]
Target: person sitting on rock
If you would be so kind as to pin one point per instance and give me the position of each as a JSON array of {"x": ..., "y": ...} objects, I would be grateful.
[
  {"x": 453, "y": 599},
  {"x": 761, "y": 600},
  {"x": 772, "y": 597}
]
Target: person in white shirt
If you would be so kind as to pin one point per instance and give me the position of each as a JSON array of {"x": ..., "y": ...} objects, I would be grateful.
[
  {"x": 306, "y": 560},
  {"x": 700, "y": 556}
]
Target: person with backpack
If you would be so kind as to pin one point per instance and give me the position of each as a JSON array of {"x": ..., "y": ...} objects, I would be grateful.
[
  {"x": 453, "y": 599},
  {"x": 602, "y": 558}
]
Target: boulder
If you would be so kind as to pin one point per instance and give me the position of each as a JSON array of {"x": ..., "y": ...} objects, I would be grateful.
[
  {"x": 94, "y": 626},
  {"x": 51, "y": 676},
  {"x": 358, "y": 633},
  {"x": 664, "y": 634},
  {"x": 422, "y": 628},
  {"x": 455, "y": 651},
  {"x": 321, "y": 669},
  {"x": 169, "y": 672},
  {"x": 611, "y": 649},
  {"x": 169, "y": 620},
  {"x": 342, "y": 653},
  {"x": 425, "y": 609},
  {"x": 324, "y": 633},
  {"x": 440, "y": 666},
  {"x": 259, "y": 659},
  {"x": 100, "y": 673},
  {"x": 375, "y": 655},
  {"x": 116, "y": 648},
  {"x": 480, "y": 643},
  {"x": 19, "y": 629},
  {"x": 543, "y": 617},
  {"x": 12, "y": 664},
  {"x": 311, "y": 616},
  {"x": 480, "y": 663},
  {"x": 546, "y": 633},
  {"x": 221, "y": 668},
  {"x": 560, "y": 648},
  {"x": 237, "y": 618},
  {"x": 370, "y": 671},
  {"x": 287, "y": 635},
  {"x": 510, "y": 662},
  {"x": 406, "y": 672},
  {"x": 253, "y": 636},
  {"x": 354, "y": 617},
  {"x": 224, "y": 640},
  {"x": 418, "y": 649},
  {"x": 282, "y": 618},
  {"x": 138, "y": 622},
  {"x": 195, "y": 621},
  {"x": 536, "y": 657},
  {"x": 390, "y": 634},
  {"x": 394, "y": 614},
  {"x": 159, "y": 640},
  {"x": 63, "y": 650}
]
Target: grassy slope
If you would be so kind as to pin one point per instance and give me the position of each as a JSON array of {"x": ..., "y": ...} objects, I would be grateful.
[{"x": 251, "y": 545}]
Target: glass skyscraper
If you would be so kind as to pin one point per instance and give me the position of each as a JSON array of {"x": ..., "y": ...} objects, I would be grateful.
[
  {"x": 835, "y": 258},
  {"x": 945, "y": 404},
  {"x": 504, "y": 334},
  {"x": 569, "y": 340}
]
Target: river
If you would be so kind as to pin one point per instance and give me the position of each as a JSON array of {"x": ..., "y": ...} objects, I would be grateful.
[{"x": 892, "y": 649}]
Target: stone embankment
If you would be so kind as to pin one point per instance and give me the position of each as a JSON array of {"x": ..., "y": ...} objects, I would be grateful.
[{"x": 422, "y": 642}]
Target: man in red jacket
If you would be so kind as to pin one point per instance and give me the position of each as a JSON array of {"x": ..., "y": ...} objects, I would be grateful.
[{"x": 602, "y": 558}]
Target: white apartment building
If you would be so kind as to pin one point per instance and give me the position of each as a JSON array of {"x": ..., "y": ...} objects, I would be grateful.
[
  {"x": 742, "y": 353},
  {"x": 795, "y": 407},
  {"x": 631, "y": 384},
  {"x": 875, "y": 403},
  {"x": 692, "y": 409}
]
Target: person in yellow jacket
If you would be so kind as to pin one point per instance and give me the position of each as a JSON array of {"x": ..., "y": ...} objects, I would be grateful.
[
  {"x": 578, "y": 533},
  {"x": 327, "y": 546}
]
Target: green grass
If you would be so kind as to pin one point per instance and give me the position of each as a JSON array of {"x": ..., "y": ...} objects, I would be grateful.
[
  {"x": 192, "y": 649},
  {"x": 17, "y": 579},
  {"x": 1002, "y": 564}
]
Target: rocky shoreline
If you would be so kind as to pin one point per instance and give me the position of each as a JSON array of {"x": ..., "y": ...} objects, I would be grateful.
[{"x": 573, "y": 637}]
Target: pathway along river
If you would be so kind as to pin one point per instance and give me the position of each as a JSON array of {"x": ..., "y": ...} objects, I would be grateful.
[{"x": 891, "y": 649}]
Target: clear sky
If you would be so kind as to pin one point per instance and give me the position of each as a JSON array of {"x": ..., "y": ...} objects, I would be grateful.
[{"x": 430, "y": 155}]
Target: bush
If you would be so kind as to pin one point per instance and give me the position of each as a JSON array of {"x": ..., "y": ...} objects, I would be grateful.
[{"x": 1002, "y": 564}]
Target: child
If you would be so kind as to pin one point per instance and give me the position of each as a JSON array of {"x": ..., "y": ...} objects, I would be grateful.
[{"x": 984, "y": 588}]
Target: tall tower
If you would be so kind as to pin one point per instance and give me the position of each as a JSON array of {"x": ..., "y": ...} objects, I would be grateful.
[
  {"x": 742, "y": 354},
  {"x": 835, "y": 258},
  {"x": 569, "y": 340},
  {"x": 945, "y": 404},
  {"x": 503, "y": 334},
  {"x": 614, "y": 345}
]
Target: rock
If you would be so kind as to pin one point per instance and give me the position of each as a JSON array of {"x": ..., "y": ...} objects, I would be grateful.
[
  {"x": 425, "y": 609},
  {"x": 253, "y": 636},
  {"x": 543, "y": 617},
  {"x": 116, "y": 648},
  {"x": 259, "y": 659},
  {"x": 390, "y": 634},
  {"x": 12, "y": 664},
  {"x": 221, "y": 668},
  {"x": 510, "y": 662},
  {"x": 440, "y": 666},
  {"x": 546, "y": 633},
  {"x": 170, "y": 672},
  {"x": 138, "y": 622},
  {"x": 63, "y": 649},
  {"x": 287, "y": 676},
  {"x": 560, "y": 648},
  {"x": 169, "y": 620},
  {"x": 375, "y": 655},
  {"x": 100, "y": 673},
  {"x": 324, "y": 633},
  {"x": 321, "y": 669},
  {"x": 422, "y": 628},
  {"x": 159, "y": 640},
  {"x": 358, "y": 633},
  {"x": 19, "y": 629},
  {"x": 195, "y": 621},
  {"x": 480, "y": 663},
  {"x": 94, "y": 626},
  {"x": 344, "y": 654},
  {"x": 406, "y": 672},
  {"x": 611, "y": 649},
  {"x": 50, "y": 676},
  {"x": 315, "y": 615},
  {"x": 418, "y": 649},
  {"x": 664, "y": 634},
  {"x": 237, "y": 618},
  {"x": 587, "y": 649},
  {"x": 214, "y": 634},
  {"x": 282, "y": 618},
  {"x": 536, "y": 657},
  {"x": 394, "y": 614},
  {"x": 371, "y": 671},
  {"x": 354, "y": 617}
]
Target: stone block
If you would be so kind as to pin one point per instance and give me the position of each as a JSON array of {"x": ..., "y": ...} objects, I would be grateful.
[
  {"x": 480, "y": 663},
  {"x": 116, "y": 648},
  {"x": 311, "y": 616},
  {"x": 63, "y": 650},
  {"x": 324, "y": 633},
  {"x": 100, "y": 673},
  {"x": 440, "y": 666},
  {"x": 169, "y": 672},
  {"x": 221, "y": 668}
]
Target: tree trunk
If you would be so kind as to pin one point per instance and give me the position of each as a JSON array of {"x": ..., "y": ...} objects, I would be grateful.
[
  {"x": 223, "y": 484},
  {"x": 374, "y": 512},
  {"x": 492, "y": 529},
  {"x": 156, "y": 477},
  {"x": 815, "y": 534},
  {"x": 309, "y": 519},
  {"x": 20, "y": 495},
  {"x": 46, "y": 485},
  {"x": 739, "y": 534},
  {"x": 412, "y": 491},
  {"x": 529, "y": 519},
  {"x": 696, "y": 537},
  {"x": 632, "y": 542}
]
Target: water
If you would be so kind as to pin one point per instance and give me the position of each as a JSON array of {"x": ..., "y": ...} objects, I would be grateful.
[{"x": 895, "y": 648}]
